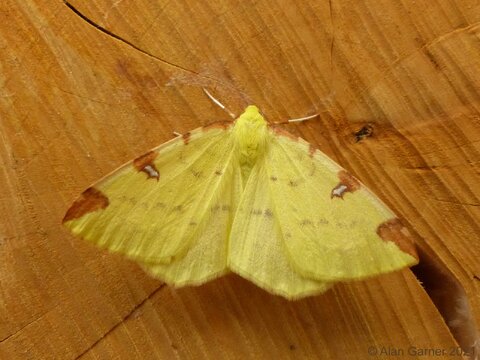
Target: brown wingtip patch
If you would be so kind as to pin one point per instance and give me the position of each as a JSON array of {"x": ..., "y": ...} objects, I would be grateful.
[
  {"x": 281, "y": 132},
  {"x": 90, "y": 200},
  {"x": 145, "y": 163},
  {"x": 393, "y": 230},
  {"x": 348, "y": 183}
]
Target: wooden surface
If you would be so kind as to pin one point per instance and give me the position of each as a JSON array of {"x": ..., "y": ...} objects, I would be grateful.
[{"x": 77, "y": 102}]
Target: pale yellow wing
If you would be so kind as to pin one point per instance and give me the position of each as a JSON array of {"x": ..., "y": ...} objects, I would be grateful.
[
  {"x": 333, "y": 227},
  {"x": 257, "y": 249},
  {"x": 153, "y": 208},
  {"x": 206, "y": 259}
]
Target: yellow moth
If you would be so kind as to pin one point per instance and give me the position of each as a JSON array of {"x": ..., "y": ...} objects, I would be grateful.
[{"x": 243, "y": 197}]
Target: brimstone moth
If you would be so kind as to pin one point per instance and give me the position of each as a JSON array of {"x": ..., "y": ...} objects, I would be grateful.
[{"x": 244, "y": 197}]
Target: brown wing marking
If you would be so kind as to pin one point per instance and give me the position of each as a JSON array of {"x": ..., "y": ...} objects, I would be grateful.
[
  {"x": 90, "y": 200},
  {"x": 393, "y": 230},
  {"x": 145, "y": 163},
  {"x": 348, "y": 183},
  {"x": 186, "y": 138}
]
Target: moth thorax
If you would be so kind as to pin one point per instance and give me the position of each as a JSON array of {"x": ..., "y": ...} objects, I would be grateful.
[{"x": 250, "y": 134}]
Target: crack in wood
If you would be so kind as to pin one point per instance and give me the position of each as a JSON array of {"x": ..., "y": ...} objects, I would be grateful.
[
  {"x": 125, "y": 318},
  {"x": 19, "y": 330},
  {"x": 125, "y": 41},
  {"x": 457, "y": 202},
  {"x": 28, "y": 324}
]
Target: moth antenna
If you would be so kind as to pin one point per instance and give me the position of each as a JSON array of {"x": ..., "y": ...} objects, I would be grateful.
[
  {"x": 217, "y": 102},
  {"x": 298, "y": 119},
  {"x": 303, "y": 118}
]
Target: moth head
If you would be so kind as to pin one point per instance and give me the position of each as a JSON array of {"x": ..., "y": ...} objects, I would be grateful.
[{"x": 252, "y": 115}]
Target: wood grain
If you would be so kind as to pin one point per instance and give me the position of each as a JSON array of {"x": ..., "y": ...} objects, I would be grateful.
[{"x": 78, "y": 100}]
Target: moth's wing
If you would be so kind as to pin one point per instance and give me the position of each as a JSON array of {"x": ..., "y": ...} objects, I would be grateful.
[
  {"x": 333, "y": 227},
  {"x": 152, "y": 208},
  {"x": 256, "y": 248},
  {"x": 206, "y": 259}
]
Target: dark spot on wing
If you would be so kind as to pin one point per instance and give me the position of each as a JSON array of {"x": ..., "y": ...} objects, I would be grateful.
[
  {"x": 218, "y": 207},
  {"x": 197, "y": 174},
  {"x": 145, "y": 163},
  {"x": 306, "y": 222},
  {"x": 348, "y": 183},
  {"x": 273, "y": 178},
  {"x": 268, "y": 213},
  {"x": 393, "y": 230},
  {"x": 90, "y": 200},
  {"x": 322, "y": 221},
  {"x": 218, "y": 172},
  {"x": 293, "y": 183},
  {"x": 159, "y": 205}
]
